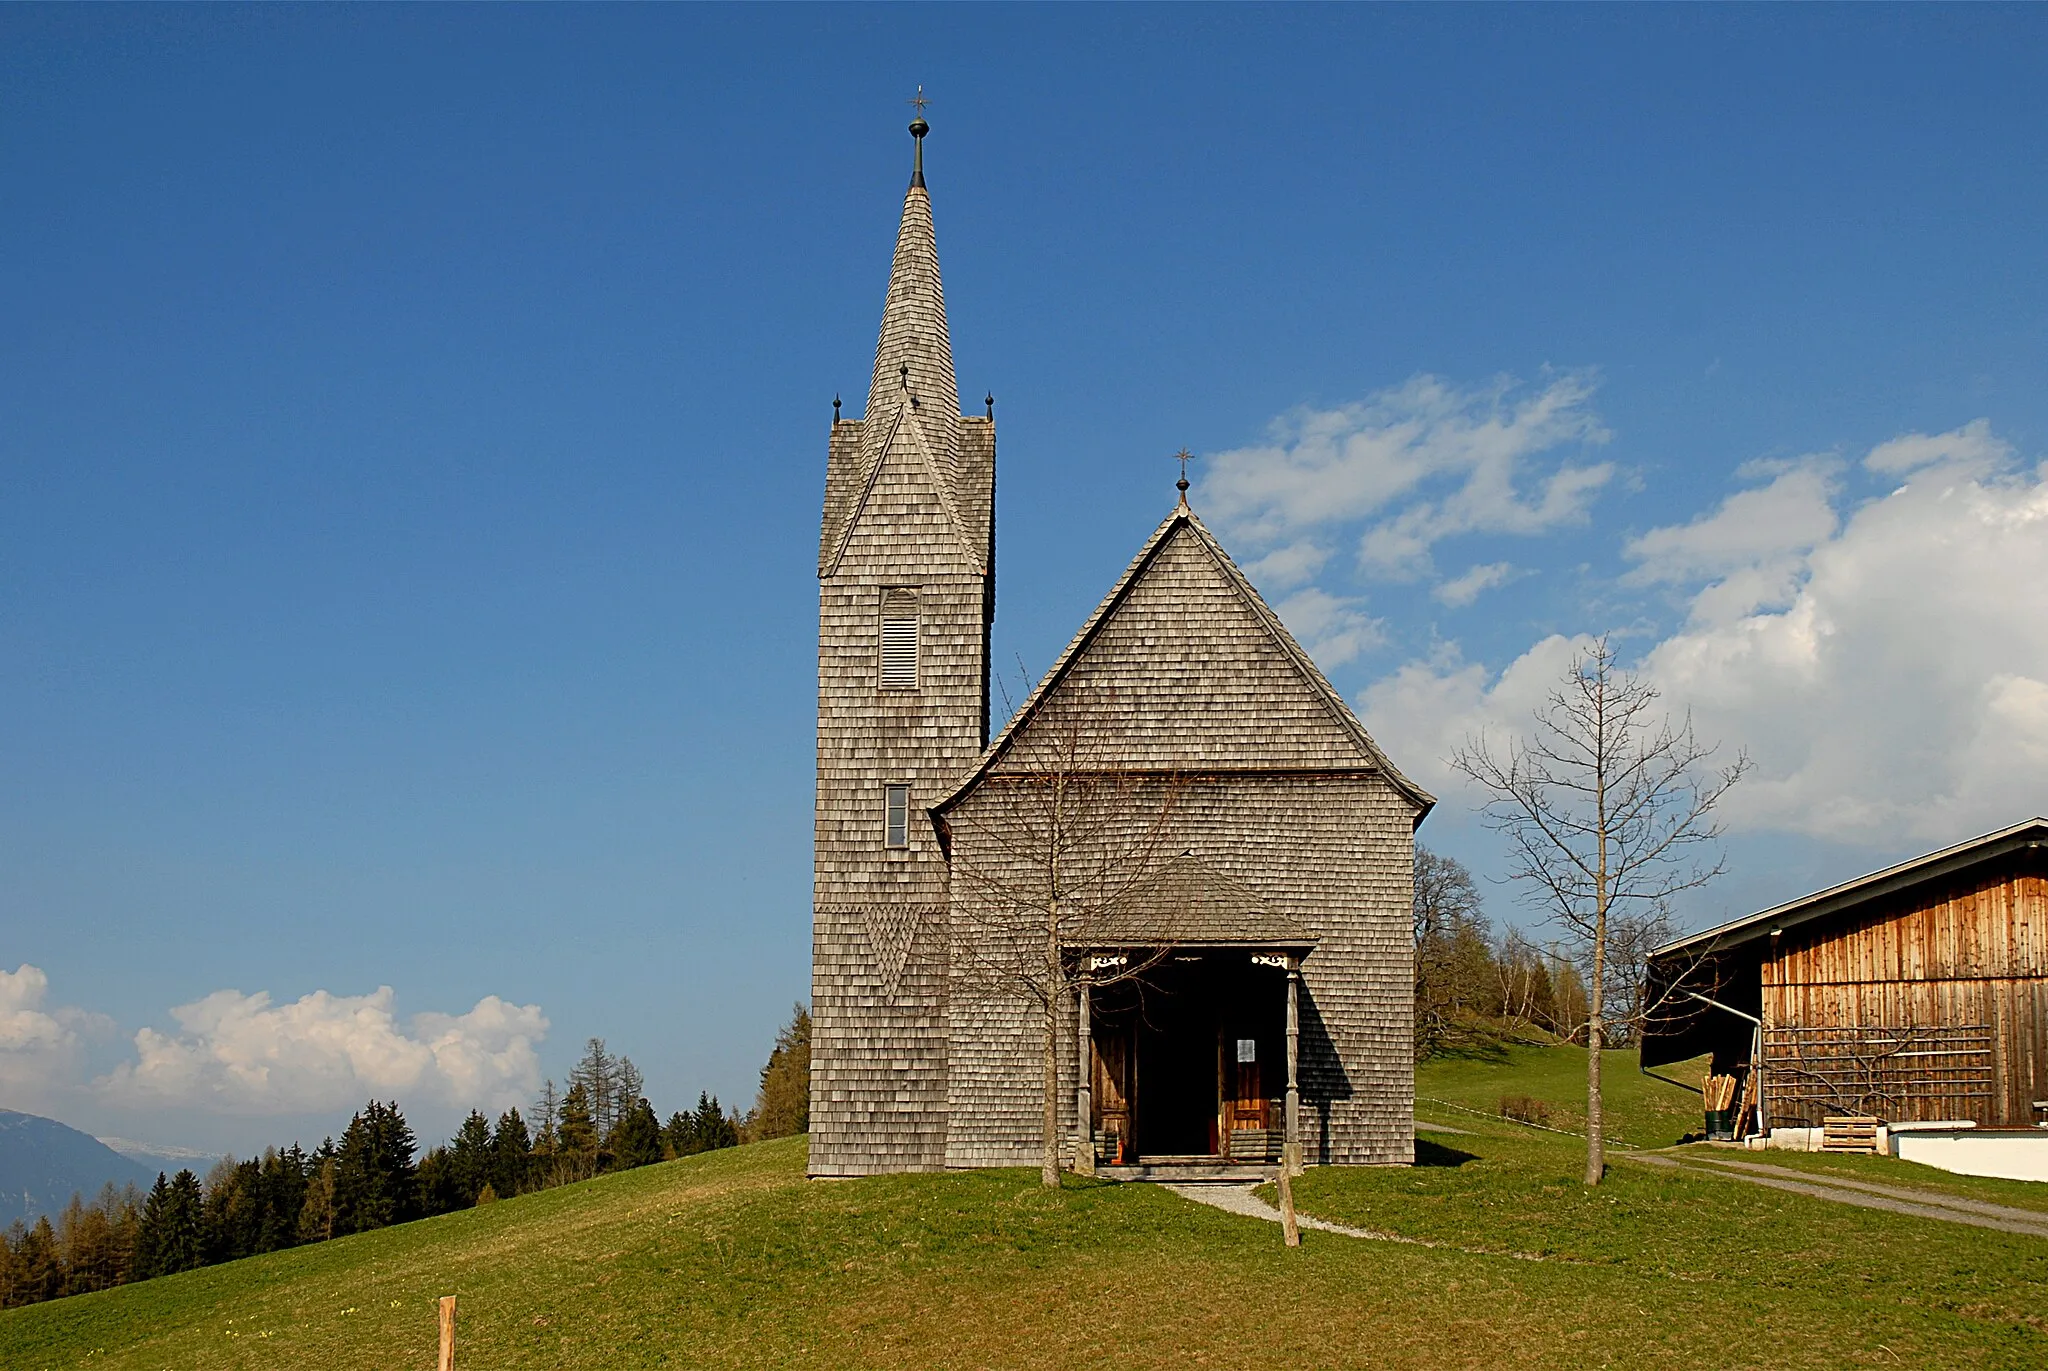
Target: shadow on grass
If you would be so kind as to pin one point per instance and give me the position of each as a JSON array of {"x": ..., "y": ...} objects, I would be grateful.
[
  {"x": 1428, "y": 1153},
  {"x": 1492, "y": 1052}
]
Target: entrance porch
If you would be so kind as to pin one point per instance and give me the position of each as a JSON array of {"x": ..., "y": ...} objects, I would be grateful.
[{"x": 1189, "y": 1060}]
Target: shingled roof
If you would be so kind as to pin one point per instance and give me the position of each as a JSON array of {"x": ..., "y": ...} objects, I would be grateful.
[
  {"x": 1340, "y": 740},
  {"x": 1189, "y": 903}
]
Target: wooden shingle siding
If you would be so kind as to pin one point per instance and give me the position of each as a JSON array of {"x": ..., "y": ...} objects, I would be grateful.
[
  {"x": 893, "y": 519},
  {"x": 1186, "y": 679},
  {"x": 1181, "y": 674},
  {"x": 1332, "y": 853}
]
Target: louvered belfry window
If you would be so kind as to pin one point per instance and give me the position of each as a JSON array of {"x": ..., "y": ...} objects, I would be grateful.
[{"x": 899, "y": 639}]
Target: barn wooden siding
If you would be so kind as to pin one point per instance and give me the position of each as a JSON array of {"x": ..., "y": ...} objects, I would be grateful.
[{"x": 1967, "y": 954}]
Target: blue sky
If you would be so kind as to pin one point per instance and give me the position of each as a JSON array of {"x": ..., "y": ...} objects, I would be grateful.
[{"x": 412, "y": 434}]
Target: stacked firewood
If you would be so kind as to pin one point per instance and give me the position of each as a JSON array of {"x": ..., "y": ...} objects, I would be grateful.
[{"x": 1719, "y": 1092}]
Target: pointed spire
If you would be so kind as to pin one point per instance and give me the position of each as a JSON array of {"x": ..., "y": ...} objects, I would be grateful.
[{"x": 914, "y": 355}]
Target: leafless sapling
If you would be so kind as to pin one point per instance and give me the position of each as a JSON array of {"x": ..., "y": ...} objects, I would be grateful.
[{"x": 1607, "y": 808}]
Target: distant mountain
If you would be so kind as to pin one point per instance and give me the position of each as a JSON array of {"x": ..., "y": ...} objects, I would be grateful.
[
  {"x": 156, "y": 1158},
  {"x": 43, "y": 1163}
]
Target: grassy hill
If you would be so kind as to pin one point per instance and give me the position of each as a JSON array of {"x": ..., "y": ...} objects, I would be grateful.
[{"x": 733, "y": 1259}]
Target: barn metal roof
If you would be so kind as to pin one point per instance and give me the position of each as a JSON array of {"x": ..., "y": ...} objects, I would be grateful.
[{"x": 1935, "y": 866}]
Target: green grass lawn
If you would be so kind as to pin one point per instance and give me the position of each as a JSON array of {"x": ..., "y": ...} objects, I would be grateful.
[
  {"x": 733, "y": 1259},
  {"x": 1640, "y": 1109}
]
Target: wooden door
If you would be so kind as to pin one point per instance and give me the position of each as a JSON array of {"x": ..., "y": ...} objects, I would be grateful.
[{"x": 1114, "y": 1116}]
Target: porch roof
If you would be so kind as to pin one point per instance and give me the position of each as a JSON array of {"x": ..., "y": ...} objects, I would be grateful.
[{"x": 1189, "y": 904}]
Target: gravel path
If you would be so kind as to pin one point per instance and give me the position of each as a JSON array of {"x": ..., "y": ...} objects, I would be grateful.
[
  {"x": 1926, "y": 1204},
  {"x": 1244, "y": 1200}
]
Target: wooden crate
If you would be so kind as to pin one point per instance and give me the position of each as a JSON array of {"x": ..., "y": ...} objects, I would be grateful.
[{"x": 1849, "y": 1133}]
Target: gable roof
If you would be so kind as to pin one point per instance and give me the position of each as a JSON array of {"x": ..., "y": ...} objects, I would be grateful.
[
  {"x": 1935, "y": 867},
  {"x": 1331, "y": 707},
  {"x": 944, "y": 483}
]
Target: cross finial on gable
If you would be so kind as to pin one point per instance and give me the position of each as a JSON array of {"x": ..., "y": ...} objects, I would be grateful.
[{"x": 1183, "y": 457}]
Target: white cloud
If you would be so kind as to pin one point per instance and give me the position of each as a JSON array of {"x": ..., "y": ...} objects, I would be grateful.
[
  {"x": 1972, "y": 446},
  {"x": 1416, "y": 464},
  {"x": 1463, "y": 590},
  {"x": 1288, "y": 565},
  {"x": 40, "y": 1047},
  {"x": 1888, "y": 672},
  {"x": 1786, "y": 518},
  {"x": 1333, "y": 629},
  {"x": 240, "y": 1053},
  {"x": 1425, "y": 711}
]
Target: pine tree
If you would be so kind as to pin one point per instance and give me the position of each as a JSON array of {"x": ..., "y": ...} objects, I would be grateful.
[
  {"x": 39, "y": 1273},
  {"x": 511, "y": 1155},
  {"x": 636, "y": 1141},
  {"x": 316, "y": 1216},
  {"x": 598, "y": 1074},
  {"x": 469, "y": 1157},
  {"x": 439, "y": 1192},
  {"x": 629, "y": 1084},
  {"x": 576, "y": 1137},
  {"x": 11, "y": 1274},
  {"x": 375, "y": 1181},
  {"x": 783, "y": 1107},
  {"x": 283, "y": 1190},
  {"x": 547, "y": 1115},
  {"x": 149, "y": 1238},
  {"x": 677, "y": 1135},
  {"x": 170, "y": 1238},
  {"x": 231, "y": 1224},
  {"x": 715, "y": 1127}
]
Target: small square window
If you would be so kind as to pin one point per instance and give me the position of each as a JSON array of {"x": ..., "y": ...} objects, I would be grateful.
[{"x": 898, "y": 816}]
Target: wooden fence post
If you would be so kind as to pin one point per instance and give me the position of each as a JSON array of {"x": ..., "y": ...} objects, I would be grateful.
[
  {"x": 447, "y": 1362},
  {"x": 1289, "y": 1229}
]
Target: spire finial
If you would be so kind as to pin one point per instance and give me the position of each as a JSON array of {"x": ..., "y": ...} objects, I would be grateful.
[
  {"x": 835, "y": 409},
  {"x": 918, "y": 129},
  {"x": 990, "y": 400},
  {"x": 1183, "y": 457}
]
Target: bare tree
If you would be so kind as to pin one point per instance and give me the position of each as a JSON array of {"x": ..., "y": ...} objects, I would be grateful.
[
  {"x": 1453, "y": 962},
  {"x": 1066, "y": 844},
  {"x": 1607, "y": 808}
]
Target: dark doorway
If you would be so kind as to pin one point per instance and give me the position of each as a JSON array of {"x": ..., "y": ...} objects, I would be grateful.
[{"x": 1193, "y": 1048}]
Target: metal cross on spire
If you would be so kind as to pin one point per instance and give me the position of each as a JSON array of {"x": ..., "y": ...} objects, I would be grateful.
[
  {"x": 1183, "y": 457},
  {"x": 918, "y": 129}
]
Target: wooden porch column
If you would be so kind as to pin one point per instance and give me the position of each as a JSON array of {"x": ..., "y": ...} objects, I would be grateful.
[
  {"x": 1290, "y": 1155},
  {"x": 1084, "y": 1079}
]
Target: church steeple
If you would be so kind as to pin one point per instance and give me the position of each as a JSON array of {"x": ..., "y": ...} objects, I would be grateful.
[
  {"x": 914, "y": 355},
  {"x": 913, "y": 396},
  {"x": 906, "y": 594}
]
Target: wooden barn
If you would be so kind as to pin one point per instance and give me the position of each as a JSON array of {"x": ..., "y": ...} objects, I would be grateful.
[{"x": 1917, "y": 995}]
